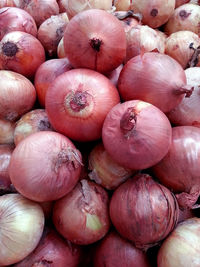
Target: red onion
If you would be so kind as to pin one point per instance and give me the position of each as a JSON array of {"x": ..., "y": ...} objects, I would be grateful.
[
  {"x": 17, "y": 95},
  {"x": 21, "y": 52},
  {"x": 181, "y": 248},
  {"x": 146, "y": 78},
  {"x": 6, "y": 132},
  {"x": 21, "y": 223},
  {"x": 95, "y": 39},
  {"x": 113, "y": 250},
  {"x": 136, "y": 134},
  {"x": 82, "y": 215},
  {"x": 181, "y": 2},
  {"x": 60, "y": 49},
  {"x": 52, "y": 250},
  {"x": 45, "y": 166},
  {"x": 78, "y": 101},
  {"x": 184, "y": 18},
  {"x": 179, "y": 169},
  {"x": 16, "y": 19},
  {"x": 187, "y": 112},
  {"x": 51, "y": 31},
  {"x": 47, "y": 73},
  {"x": 34, "y": 121},
  {"x": 113, "y": 76}
]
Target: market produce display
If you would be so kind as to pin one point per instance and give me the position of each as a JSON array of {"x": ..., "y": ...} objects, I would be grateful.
[{"x": 100, "y": 133}]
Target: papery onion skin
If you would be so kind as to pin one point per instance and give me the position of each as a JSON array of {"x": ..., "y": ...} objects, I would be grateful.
[
  {"x": 146, "y": 78},
  {"x": 181, "y": 247},
  {"x": 21, "y": 223},
  {"x": 16, "y": 19},
  {"x": 6, "y": 132},
  {"x": 113, "y": 76},
  {"x": 128, "y": 19},
  {"x": 60, "y": 49},
  {"x": 34, "y": 121},
  {"x": 17, "y": 95},
  {"x": 136, "y": 134},
  {"x": 95, "y": 39},
  {"x": 113, "y": 250},
  {"x": 45, "y": 166},
  {"x": 17, "y": 50},
  {"x": 82, "y": 215},
  {"x": 78, "y": 101}
]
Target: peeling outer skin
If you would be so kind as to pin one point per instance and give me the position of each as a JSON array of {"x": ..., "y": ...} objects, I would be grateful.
[{"x": 188, "y": 200}]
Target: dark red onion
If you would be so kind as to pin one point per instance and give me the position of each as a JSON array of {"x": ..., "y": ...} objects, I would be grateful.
[{"x": 6, "y": 132}]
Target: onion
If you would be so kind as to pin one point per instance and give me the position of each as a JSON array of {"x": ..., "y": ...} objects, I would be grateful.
[
  {"x": 187, "y": 112},
  {"x": 116, "y": 251},
  {"x": 16, "y": 19},
  {"x": 181, "y": 248},
  {"x": 60, "y": 49},
  {"x": 11, "y": 3},
  {"x": 6, "y": 132},
  {"x": 52, "y": 250},
  {"x": 184, "y": 46},
  {"x": 17, "y": 95},
  {"x": 184, "y": 18},
  {"x": 128, "y": 18},
  {"x": 113, "y": 76},
  {"x": 34, "y": 121},
  {"x": 181, "y": 2},
  {"x": 143, "y": 211},
  {"x": 47, "y": 73},
  {"x": 123, "y": 5},
  {"x": 146, "y": 78},
  {"x": 78, "y": 101},
  {"x": 95, "y": 39},
  {"x": 21, "y": 224},
  {"x": 179, "y": 169},
  {"x": 136, "y": 134},
  {"x": 51, "y": 31},
  {"x": 45, "y": 166},
  {"x": 21, "y": 52}
]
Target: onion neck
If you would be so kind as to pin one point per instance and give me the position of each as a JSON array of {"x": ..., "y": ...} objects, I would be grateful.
[
  {"x": 187, "y": 90},
  {"x": 128, "y": 122},
  {"x": 194, "y": 60},
  {"x": 10, "y": 49}
]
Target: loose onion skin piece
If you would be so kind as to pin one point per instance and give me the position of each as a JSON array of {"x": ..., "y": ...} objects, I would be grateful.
[
  {"x": 181, "y": 247},
  {"x": 96, "y": 40},
  {"x": 45, "y": 166},
  {"x": 60, "y": 49},
  {"x": 113, "y": 250},
  {"x": 148, "y": 211},
  {"x": 82, "y": 215},
  {"x": 17, "y": 95},
  {"x": 6, "y": 132},
  {"x": 179, "y": 169},
  {"x": 136, "y": 134},
  {"x": 113, "y": 76},
  {"x": 78, "y": 101},
  {"x": 21, "y": 223}
]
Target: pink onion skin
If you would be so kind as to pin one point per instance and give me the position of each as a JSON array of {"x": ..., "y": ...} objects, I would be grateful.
[
  {"x": 17, "y": 95},
  {"x": 16, "y": 19},
  {"x": 181, "y": 2},
  {"x": 60, "y": 49},
  {"x": 181, "y": 247},
  {"x": 47, "y": 73},
  {"x": 45, "y": 166},
  {"x": 185, "y": 214},
  {"x": 179, "y": 169},
  {"x": 17, "y": 50},
  {"x": 34, "y": 121},
  {"x": 113, "y": 76},
  {"x": 187, "y": 112},
  {"x": 82, "y": 215},
  {"x": 148, "y": 211},
  {"x": 6, "y": 132},
  {"x": 22, "y": 223},
  {"x": 53, "y": 250},
  {"x": 146, "y": 78},
  {"x": 113, "y": 250},
  {"x": 100, "y": 43},
  {"x": 138, "y": 140},
  {"x": 78, "y": 101},
  {"x": 9, "y": 3}
]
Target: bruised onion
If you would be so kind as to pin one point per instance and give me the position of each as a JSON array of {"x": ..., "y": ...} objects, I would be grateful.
[
  {"x": 146, "y": 77},
  {"x": 6, "y": 132},
  {"x": 82, "y": 215},
  {"x": 21, "y": 223},
  {"x": 45, "y": 166},
  {"x": 143, "y": 211},
  {"x": 95, "y": 39},
  {"x": 136, "y": 134}
]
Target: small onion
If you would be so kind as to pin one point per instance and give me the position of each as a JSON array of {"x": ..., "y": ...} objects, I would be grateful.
[
  {"x": 45, "y": 166},
  {"x": 181, "y": 2},
  {"x": 21, "y": 224},
  {"x": 143, "y": 211},
  {"x": 6, "y": 132},
  {"x": 60, "y": 49},
  {"x": 82, "y": 215}
]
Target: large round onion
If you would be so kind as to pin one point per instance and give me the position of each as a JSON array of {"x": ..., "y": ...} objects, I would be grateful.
[
  {"x": 136, "y": 134},
  {"x": 143, "y": 211},
  {"x": 21, "y": 224},
  {"x": 146, "y": 78},
  {"x": 45, "y": 166},
  {"x": 95, "y": 39},
  {"x": 6, "y": 132}
]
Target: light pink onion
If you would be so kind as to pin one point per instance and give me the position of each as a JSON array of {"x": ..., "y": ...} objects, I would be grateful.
[{"x": 6, "y": 132}]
